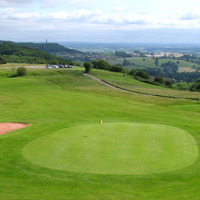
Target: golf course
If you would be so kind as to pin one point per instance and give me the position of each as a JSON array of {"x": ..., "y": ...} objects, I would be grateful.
[{"x": 85, "y": 140}]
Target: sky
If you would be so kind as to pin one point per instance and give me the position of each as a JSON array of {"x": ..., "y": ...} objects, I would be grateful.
[{"x": 118, "y": 21}]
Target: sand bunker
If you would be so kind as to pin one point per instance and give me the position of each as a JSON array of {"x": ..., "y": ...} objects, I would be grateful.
[{"x": 6, "y": 127}]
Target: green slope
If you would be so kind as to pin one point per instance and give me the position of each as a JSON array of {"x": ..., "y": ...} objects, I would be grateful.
[
  {"x": 50, "y": 48},
  {"x": 129, "y": 83},
  {"x": 16, "y": 53},
  {"x": 52, "y": 101}
]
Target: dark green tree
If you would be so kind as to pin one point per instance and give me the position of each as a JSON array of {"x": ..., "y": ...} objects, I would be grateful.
[
  {"x": 156, "y": 61},
  {"x": 2, "y": 60},
  {"x": 54, "y": 62},
  {"x": 126, "y": 62},
  {"x": 72, "y": 63},
  {"x": 143, "y": 74},
  {"x": 101, "y": 64},
  {"x": 87, "y": 66},
  {"x": 195, "y": 86},
  {"x": 168, "y": 83},
  {"x": 133, "y": 72},
  {"x": 159, "y": 79}
]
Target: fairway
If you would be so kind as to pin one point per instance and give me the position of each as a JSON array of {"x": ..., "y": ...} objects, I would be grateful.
[{"x": 123, "y": 148}]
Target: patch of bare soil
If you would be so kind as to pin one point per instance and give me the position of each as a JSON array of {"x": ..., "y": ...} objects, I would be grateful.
[{"x": 7, "y": 127}]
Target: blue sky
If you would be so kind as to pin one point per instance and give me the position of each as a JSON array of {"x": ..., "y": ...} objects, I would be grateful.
[{"x": 149, "y": 21}]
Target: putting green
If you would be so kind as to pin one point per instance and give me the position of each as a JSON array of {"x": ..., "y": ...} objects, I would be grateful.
[{"x": 124, "y": 148}]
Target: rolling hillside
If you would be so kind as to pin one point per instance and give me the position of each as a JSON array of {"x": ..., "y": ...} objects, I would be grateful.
[
  {"x": 148, "y": 149},
  {"x": 15, "y": 53},
  {"x": 51, "y": 48}
]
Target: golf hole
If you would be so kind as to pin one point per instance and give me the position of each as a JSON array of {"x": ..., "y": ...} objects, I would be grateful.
[{"x": 122, "y": 148}]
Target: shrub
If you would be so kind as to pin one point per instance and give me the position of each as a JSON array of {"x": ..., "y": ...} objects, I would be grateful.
[{"x": 21, "y": 71}]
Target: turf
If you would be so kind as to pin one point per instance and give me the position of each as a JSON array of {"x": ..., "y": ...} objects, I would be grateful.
[
  {"x": 122, "y": 148},
  {"x": 57, "y": 99}
]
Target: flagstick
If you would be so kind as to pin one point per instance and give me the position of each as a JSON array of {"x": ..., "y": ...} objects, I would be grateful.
[{"x": 101, "y": 122}]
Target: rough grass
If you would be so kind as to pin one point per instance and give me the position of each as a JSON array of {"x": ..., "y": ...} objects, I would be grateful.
[
  {"x": 129, "y": 83},
  {"x": 19, "y": 65},
  {"x": 51, "y": 105}
]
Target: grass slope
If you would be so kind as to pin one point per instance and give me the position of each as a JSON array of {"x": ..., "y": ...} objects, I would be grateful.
[
  {"x": 52, "y": 100},
  {"x": 131, "y": 84}
]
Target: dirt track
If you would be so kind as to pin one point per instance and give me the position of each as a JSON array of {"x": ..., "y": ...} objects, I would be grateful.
[
  {"x": 115, "y": 87},
  {"x": 129, "y": 91}
]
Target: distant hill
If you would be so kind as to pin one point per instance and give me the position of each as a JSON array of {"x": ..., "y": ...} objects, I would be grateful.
[
  {"x": 17, "y": 53},
  {"x": 52, "y": 48}
]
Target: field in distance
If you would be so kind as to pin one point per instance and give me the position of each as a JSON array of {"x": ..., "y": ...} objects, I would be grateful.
[{"x": 142, "y": 63}]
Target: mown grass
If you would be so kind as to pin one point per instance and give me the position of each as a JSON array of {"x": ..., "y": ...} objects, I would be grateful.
[
  {"x": 114, "y": 148},
  {"x": 54, "y": 100}
]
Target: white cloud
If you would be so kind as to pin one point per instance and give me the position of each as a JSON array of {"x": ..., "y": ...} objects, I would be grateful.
[
  {"x": 13, "y": 15},
  {"x": 49, "y": 3},
  {"x": 6, "y": 3},
  {"x": 120, "y": 9},
  {"x": 19, "y": 3},
  {"x": 95, "y": 20},
  {"x": 80, "y": 2},
  {"x": 193, "y": 15}
]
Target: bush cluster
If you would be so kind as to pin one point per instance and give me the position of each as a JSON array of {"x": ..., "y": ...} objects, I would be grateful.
[
  {"x": 195, "y": 87},
  {"x": 102, "y": 64},
  {"x": 160, "y": 80},
  {"x": 139, "y": 73}
]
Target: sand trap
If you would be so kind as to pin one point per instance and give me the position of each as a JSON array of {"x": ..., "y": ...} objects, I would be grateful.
[{"x": 6, "y": 127}]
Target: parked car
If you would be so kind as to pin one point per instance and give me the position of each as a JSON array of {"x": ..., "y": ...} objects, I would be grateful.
[
  {"x": 66, "y": 66},
  {"x": 48, "y": 66},
  {"x": 70, "y": 66},
  {"x": 61, "y": 66},
  {"x": 55, "y": 67}
]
